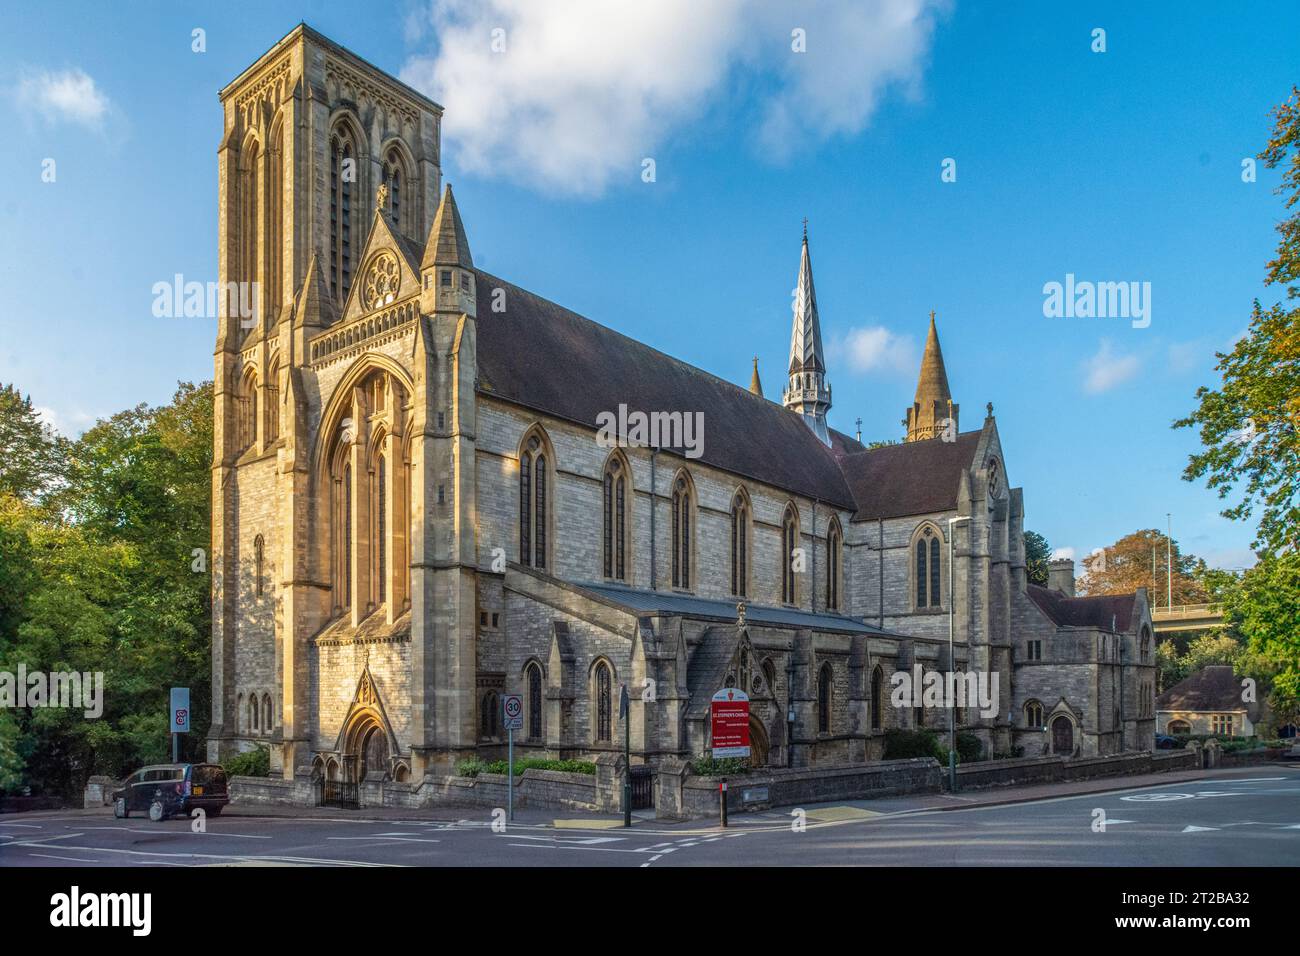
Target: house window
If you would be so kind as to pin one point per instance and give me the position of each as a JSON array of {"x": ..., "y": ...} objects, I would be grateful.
[
  {"x": 615, "y": 521},
  {"x": 789, "y": 544},
  {"x": 604, "y": 702},
  {"x": 681, "y": 537},
  {"x": 1034, "y": 650},
  {"x": 343, "y": 173},
  {"x": 1221, "y": 725},
  {"x": 739, "y": 545},
  {"x": 824, "y": 699},
  {"x": 1033, "y": 714},
  {"x": 534, "y": 702},
  {"x": 488, "y": 716},
  {"x": 928, "y": 568},
  {"x": 533, "y": 503},
  {"x": 258, "y": 559},
  {"x": 834, "y": 541}
]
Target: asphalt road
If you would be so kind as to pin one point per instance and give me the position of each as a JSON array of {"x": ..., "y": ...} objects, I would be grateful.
[{"x": 1250, "y": 819}]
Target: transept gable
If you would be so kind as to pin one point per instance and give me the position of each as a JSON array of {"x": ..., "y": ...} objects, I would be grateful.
[
  {"x": 366, "y": 710},
  {"x": 389, "y": 271}
]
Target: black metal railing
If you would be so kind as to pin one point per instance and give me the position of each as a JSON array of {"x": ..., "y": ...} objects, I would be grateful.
[
  {"x": 342, "y": 794},
  {"x": 643, "y": 788}
]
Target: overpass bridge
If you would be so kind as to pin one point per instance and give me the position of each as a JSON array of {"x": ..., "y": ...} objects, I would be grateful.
[{"x": 1186, "y": 617}]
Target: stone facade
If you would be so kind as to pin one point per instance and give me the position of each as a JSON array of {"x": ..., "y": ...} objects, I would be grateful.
[{"x": 399, "y": 539}]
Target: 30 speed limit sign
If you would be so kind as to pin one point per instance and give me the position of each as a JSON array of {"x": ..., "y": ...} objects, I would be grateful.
[{"x": 512, "y": 708}]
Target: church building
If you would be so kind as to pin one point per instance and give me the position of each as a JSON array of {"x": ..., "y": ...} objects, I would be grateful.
[{"x": 414, "y": 511}]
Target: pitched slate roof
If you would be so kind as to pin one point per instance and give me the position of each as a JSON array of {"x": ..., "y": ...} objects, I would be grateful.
[
  {"x": 1211, "y": 688},
  {"x": 643, "y": 601},
  {"x": 920, "y": 477},
  {"x": 542, "y": 356},
  {"x": 1098, "y": 611}
]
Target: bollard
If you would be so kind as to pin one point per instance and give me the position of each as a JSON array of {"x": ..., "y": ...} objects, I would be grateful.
[{"x": 722, "y": 800}]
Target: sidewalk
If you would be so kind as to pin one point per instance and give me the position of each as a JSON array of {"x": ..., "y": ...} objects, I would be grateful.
[{"x": 560, "y": 818}]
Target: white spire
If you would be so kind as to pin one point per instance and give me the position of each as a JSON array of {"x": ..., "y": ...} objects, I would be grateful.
[{"x": 807, "y": 391}]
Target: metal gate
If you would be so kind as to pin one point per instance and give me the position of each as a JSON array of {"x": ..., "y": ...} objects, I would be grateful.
[
  {"x": 643, "y": 788},
  {"x": 342, "y": 794}
]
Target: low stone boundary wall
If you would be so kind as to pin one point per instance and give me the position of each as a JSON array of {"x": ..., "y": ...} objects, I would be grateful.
[
  {"x": 533, "y": 788},
  {"x": 694, "y": 797},
  {"x": 99, "y": 792},
  {"x": 1032, "y": 770}
]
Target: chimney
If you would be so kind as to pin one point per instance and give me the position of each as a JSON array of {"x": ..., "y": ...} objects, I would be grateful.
[{"x": 1060, "y": 576}]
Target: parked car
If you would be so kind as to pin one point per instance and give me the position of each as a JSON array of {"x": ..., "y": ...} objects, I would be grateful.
[
  {"x": 1165, "y": 742},
  {"x": 164, "y": 790}
]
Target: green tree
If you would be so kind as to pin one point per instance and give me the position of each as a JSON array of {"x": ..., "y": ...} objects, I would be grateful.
[
  {"x": 1250, "y": 425},
  {"x": 30, "y": 450},
  {"x": 114, "y": 587},
  {"x": 1265, "y": 610},
  {"x": 1037, "y": 555}
]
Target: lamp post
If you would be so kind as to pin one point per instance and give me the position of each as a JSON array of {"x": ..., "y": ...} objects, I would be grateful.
[
  {"x": 1169, "y": 558},
  {"x": 952, "y": 663}
]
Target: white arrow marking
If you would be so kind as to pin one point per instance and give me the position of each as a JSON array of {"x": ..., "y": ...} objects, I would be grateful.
[{"x": 1191, "y": 829}]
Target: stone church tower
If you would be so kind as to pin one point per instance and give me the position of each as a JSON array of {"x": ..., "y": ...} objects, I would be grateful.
[
  {"x": 807, "y": 393},
  {"x": 933, "y": 411},
  {"x": 329, "y": 400}
]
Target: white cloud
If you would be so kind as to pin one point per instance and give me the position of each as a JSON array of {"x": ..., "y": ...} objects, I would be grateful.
[
  {"x": 1062, "y": 553},
  {"x": 585, "y": 89},
  {"x": 1108, "y": 369},
  {"x": 874, "y": 348},
  {"x": 63, "y": 95}
]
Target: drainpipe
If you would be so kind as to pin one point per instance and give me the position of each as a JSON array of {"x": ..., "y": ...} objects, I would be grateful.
[
  {"x": 813, "y": 587},
  {"x": 654, "y": 549},
  {"x": 880, "y": 560}
]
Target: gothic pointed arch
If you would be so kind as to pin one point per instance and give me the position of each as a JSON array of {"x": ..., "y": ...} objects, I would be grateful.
[
  {"x": 246, "y": 408},
  {"x": 789, "y": 562},
  {"x": 684, "y": 506},
  {"x": 536, "y": 498},
  {"x": 742, "y": 536},
  {"x": 926, "y": 569},
  {"x": 366, "y": 737},
  {"x": 602, "y": 683},
  {"x": 399, "y": 175},
  {"x": 348, "y": 164},
  {"x": 616, "y": 518},
  {"x": 364, "y": 476},
  {"x": 834, "y": 564}
]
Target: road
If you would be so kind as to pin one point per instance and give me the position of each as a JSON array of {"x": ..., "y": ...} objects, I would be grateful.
[{"x": 1251, "y": 818}]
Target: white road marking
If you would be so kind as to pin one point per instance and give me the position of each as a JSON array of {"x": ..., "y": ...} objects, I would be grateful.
[
  {"x": 74, "y": 859},
  {"x": 28, "y": 826},
  {"x": 240, "y": 858},
  {"x": 1192, "y": 829}
]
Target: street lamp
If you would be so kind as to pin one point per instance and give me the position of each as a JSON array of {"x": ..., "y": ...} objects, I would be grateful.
[{"x": 952, "y": 663}]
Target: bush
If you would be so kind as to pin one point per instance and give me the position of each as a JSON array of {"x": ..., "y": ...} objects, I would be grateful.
[
  {"x": 719, "y": 767},
  {"x": 250, "y": 763},
  {"x": 907, "y": 744},
  {"x": 473, "y": 766},
  {"x": 969, "y": 747}
]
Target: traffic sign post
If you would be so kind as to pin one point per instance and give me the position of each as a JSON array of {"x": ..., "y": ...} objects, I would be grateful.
[
  {"x": 623, "y": 710},
  {"x": 512, "y": 708},
  {"x": 179, "y": 720}
]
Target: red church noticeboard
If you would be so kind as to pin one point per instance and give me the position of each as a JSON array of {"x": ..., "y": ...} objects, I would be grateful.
[{"x": 730, "y": 723}]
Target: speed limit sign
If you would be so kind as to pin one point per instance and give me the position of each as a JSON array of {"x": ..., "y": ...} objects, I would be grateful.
[{"x": 512, "y": 706}]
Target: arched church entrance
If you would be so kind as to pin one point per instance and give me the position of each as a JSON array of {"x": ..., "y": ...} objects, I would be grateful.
[
  {"x": 365, "y": 748},
  {"x": 759, "y": 745},
  {"x": 1063, "y": 736}
]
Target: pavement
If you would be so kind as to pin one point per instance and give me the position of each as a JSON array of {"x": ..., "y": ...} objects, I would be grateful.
[{"x": 1248, "y": 816}]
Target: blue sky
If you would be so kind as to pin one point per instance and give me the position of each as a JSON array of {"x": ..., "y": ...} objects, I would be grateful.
[{"x": 1115, "y": 166}]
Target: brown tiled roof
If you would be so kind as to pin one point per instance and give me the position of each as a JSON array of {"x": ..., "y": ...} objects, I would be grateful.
[
  {"x": 913, "y": 478},
  {"x": 542, "y": 356},
  {"x": 1099, "y": 611},
  {"x": 1211, "y": 688}
]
